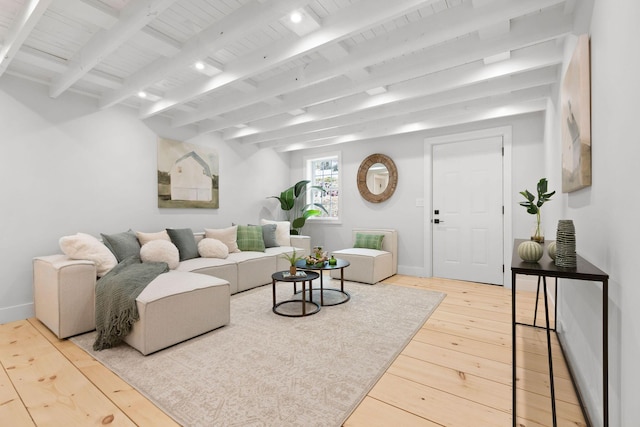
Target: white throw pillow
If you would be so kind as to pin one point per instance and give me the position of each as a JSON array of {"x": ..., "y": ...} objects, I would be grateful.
[
  {"x": 85, "y": 246},
  {"x": 144, "y": 238},
  {"x": 283, "y": 228},
  {"x": 228, "y": 236},
  {"x": 160, "y": 251},
  {"x": 212, "y": 248}
]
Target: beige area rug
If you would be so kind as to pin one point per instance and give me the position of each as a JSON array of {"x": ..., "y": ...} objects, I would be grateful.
[{"x": 268, "y": 370}]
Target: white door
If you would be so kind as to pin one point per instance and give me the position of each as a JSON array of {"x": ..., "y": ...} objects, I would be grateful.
[{"x": 467, "y": 217}]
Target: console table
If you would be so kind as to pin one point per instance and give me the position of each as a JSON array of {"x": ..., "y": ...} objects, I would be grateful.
[{"x": 547, "y": 268}]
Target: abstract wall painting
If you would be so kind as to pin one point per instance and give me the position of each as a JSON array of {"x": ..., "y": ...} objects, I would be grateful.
[
  {"x": 188, "y": 175},
  {"x": 576, "y": 120}
]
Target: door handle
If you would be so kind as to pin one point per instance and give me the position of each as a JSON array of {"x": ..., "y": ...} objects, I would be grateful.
[{"x": 437, "y": 221}]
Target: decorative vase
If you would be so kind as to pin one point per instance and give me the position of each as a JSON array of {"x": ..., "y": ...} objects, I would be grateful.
[
  {"x": 551, "y": 250},
  {"x": 530, "y": 251},
  {"x": 333, "y": 261},
  {"x": 293, "y": 270},
  {"x": 566, "y": 244},
  {"x": 537, "y": 233}
]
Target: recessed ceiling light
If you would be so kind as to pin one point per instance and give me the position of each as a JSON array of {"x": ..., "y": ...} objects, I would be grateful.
[
  {"x": 376, "y": 90},
  {"x": 199, "y": 65},
  {"x": 295, "y": 17},
  {"x": 142, "y": 94},
  {"x": 297, "y": 112}
]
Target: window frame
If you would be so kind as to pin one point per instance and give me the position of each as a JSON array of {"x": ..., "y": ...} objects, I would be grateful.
[{"x": 307, "y": 175}]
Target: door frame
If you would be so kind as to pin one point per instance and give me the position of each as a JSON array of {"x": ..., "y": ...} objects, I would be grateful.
[{"x": 506, "y": 133}]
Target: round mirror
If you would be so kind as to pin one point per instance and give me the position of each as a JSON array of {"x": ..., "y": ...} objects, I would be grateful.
[{"x": 377, "y": 178}]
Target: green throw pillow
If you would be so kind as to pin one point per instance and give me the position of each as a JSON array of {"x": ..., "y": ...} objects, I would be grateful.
[
  {"x": 369, "y": 241},
  {"x": 123, "y": 245},
  {"x": 250, "y": 238},
  {"x": 185, "y": 242}
]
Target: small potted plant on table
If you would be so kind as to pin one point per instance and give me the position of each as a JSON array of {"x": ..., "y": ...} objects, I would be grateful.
[{"x": 292, "y": 258}]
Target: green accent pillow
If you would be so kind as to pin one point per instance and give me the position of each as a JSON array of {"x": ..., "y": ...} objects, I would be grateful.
[
  {"x": 250, "y": 238},
  {"x": 185, "y": 242},
  {"x": 269, "y": 235},
  {"x": 369, "y": 241},
  {"x": 123, "y": 245}
]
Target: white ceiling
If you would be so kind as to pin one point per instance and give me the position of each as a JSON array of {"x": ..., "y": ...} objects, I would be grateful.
[{"x": 289, "y": 86}]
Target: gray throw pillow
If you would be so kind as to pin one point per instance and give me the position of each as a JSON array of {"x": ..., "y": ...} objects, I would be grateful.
[
  {"x": 123, "y": 245},
  {"x": 269, "y": 236},
  {"x": 185, "y": 242}
]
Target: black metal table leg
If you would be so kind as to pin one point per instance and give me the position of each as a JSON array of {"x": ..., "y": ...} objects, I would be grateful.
[
  {"x": 513, "y": 347},
  {"x": 551, "y": 385}
]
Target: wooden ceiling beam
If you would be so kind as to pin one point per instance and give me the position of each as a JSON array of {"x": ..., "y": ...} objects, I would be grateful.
[
  {"x": 445, "y": 26},
  {"x": 133, "y": 18},
  {"x": 338, "y": 26},
  {"x": 536, "y": 28},
  {"x": 227, "y": 30},
  {"x": 26, "y": 20}
]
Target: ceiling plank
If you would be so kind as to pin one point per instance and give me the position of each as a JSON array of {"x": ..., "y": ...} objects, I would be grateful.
[
  {"x": 445, "y": 26},
  {"x": 227, "y": 30},
  {"x": 534, "y": 29},
  {"x": 133, "y": 18},
  {"x": 27, "y": 18},
  {"x": 93, "y": 11},
  {"x": 342, "y": 24}
]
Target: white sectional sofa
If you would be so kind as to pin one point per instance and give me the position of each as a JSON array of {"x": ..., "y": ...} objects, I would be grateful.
[
  {"x": 370, "y": 264},
  {"x": 187, "y": 301}
]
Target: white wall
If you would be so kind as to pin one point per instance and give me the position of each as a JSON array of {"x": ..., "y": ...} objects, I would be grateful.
[
  {"x": 68, "y": 167},
  {"x": 605, "y": 217},
  {"x": 400, "y": 211}
]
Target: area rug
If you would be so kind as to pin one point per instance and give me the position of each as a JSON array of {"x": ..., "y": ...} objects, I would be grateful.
[{"x": 268, "y": 370}]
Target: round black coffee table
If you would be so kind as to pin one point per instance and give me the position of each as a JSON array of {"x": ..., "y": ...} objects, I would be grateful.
[
  {"x": 340, "y": 264},
  {"x": 283, "y": 276}
]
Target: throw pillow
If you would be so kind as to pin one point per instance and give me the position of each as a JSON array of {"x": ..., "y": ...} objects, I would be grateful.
[
  {"x": 250, "y": 238},
  {"x": 269, "y": 235},
  {"x": 160, "y": 250},
  {"x": 85, "y": 246},
  {"x": 144, "y": 238},
  {"x": 212, "y": 248},
  {"x": 228, "y": 236},
  {"x": 283, "y": 229},
  {"x": 123, "y": 245},
  {"x": 185, "y": 241},
  {"x": 368, "y": 241}
]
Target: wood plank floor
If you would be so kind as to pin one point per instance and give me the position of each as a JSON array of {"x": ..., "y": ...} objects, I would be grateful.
[{"x": 455, "y": 372}]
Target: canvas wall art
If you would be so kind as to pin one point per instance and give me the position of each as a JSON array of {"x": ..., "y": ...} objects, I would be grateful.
[
  {"x": 576, "y": 120},
  {"x": 188, "y": 175}
]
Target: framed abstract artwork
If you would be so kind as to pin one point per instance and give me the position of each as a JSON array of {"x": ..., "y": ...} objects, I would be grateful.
[
  {"x": 188, "y": 175},
  {"x": 576, "y": 120}
]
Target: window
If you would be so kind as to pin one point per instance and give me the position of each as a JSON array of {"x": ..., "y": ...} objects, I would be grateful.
[{"x": 324, "y": 171}]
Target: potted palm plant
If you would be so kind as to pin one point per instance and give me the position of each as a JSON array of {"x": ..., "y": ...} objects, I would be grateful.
[
  {"x": 534, "y": 207},
  {"x": 292, "y": 258},
  {"x": 293, "y": 201}
]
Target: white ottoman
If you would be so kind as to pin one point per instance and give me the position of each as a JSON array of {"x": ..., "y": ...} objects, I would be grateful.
[
  {"x": 367, "y": 265},
  {"x": 177, "y": 306}
]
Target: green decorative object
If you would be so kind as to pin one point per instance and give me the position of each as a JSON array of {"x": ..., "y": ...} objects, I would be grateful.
[
  {"x": 530, "y": 251},
  {"x": 534, "y": 207},
  {"x": 551, "y": 250},
  {"x": 333, "y": 261}
]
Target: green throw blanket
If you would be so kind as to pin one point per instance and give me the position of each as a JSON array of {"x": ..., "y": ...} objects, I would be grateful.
[{"x": 116, "y": 294}]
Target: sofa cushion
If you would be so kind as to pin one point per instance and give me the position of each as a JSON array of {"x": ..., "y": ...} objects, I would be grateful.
[
  {"x": 250, "y": 238},
  {"x": 368, "y": 241},
  {"x": 269, "y": 235},
  {"x": 160, "y": 251},
  {"x": 283, "y": 230},
  {"x": 123, "y": 245},
  {"x": 228, "y": 236},
  {"x": 147, "y": 237},
  {"x": 86, "y": 247},
  {"x": 212, "y": 248},
  {"x": 185, "y": 242}
]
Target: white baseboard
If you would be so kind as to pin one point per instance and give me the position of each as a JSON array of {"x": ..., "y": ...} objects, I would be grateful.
[
  {"x": 16, "y": 312},
  {"x": 411, "y": 271}
]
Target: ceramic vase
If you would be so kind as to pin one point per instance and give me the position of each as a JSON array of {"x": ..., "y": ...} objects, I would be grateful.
[
  {"x": 566, "y": 244},
  {"x": 551, "y": 250},
  {"x": 530, "y": 251}
]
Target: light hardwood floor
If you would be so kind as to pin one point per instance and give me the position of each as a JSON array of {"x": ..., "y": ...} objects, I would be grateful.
[{"x": 455, "y": 372}]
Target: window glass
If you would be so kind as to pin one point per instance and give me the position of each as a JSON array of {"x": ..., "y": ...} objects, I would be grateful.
[{"x": 324, "y": 172}]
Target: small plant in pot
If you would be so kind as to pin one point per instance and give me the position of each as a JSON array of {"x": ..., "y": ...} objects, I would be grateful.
[
  {"x": 534, "y": 207},
  {"x": 292, "y": 258}
]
